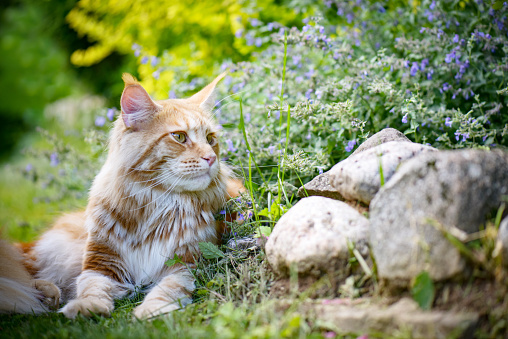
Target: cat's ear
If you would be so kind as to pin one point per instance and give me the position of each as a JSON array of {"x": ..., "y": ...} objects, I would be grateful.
[
  {"x": 137, "y": 106},
  {"x": 206, "y": 97}
]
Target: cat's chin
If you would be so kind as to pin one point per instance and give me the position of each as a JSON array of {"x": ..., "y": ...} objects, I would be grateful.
[{"x": 197, "y": 183}]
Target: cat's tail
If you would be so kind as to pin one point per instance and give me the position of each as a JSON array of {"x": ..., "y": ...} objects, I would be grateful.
[{"x": 19, "y": 292}]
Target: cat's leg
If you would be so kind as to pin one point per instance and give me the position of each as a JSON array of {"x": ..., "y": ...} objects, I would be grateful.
[
  {"x": 99, "y": 284},
  {"x": 96, "y": 293},
  {"x": 172, "y": 293}
]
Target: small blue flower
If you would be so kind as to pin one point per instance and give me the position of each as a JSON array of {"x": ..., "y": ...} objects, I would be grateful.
[
  {"x": 29, "y": 167},
  {"x": 414, "y": 69},
  {"x": 144, "y": 60},
  {"x": 255, "y": 22},
  {"x": 404, "y": 118},
  {"x": 53, "y": 158},
  {"x": 154, "y": 61},
  {"x": 223, "y": 212},
  {"x": 231, "y": 148},
  {"x": 432, "y": 5},
  {"x": 456, "y": 38},
  {"x": 111, "y": 114},
  {"x": 100, "y": 121},
  {"x": 238, "y": 33},
  {"x": 269, "y": 26},
  {"x": 156, "y": 74},
  {"x": 258, "y": 42},
  {"x": 350, "y": 145},
  {"x": 448, "y": 122},
  {"x": 271, "y": 149},
  {"x": 446, "y": 86}
]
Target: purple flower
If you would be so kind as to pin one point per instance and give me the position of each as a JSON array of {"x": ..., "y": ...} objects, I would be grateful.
[
  {"x": 156, "y": 74},
  {"x": 137, "y": 53},
  {"x": 449, "y": 57},
  {"x": 423, "y": 29},
  {"x": 172, "y": 94},
  {"x": 258, "y": 42},
  {"x": 448, "y": 122},
  {"x": 465, "y": 136},
  {"x": 255, "y": 22},
  {"x": 271, "y": 149},
  {"x": 231, "y": 148},
  {"x": 446, "y": 86},
  {"x": 269, "y": 26},
  {"x": 100, "y": 121},
  {"x": 424, "y": 63},
  {"x": 456, "y": 38},
  {"x": 484, "y": 138},
  {"x": 404, "y": 118},
  {"x": 111, "y": 114},
  {"x": 429, "y": 74},
  {"x": 349, "y": 17},
  {"x": 53, "y": 158},
  {"x": 320, "y": 169},
  {"x": 154, "y": 61},
  {"x": 223, "y": 212},
  {"x": 432, "y": 5},
  {"x": 144, "y": 60},
  {"x": 29, "y": 167},
  {"x": 414, "y": 69},
  {"x": 239, "y": 33},
  {"x": 350, "y": 145}
]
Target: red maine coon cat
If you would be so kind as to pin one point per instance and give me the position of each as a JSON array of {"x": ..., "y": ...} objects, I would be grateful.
[{"x": 154, "y": 197}]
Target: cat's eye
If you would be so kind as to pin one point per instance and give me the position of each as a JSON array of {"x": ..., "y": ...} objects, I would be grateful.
[
  {"x": 210, "y": 139},
  {"x": 179, "y": 136}
]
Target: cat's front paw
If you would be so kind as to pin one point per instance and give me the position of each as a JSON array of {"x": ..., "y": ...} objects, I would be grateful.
[
  {"x": 156, "y": 307},
  {"x": 86, "y": 307},
  {"x": 50, "y": 293}
]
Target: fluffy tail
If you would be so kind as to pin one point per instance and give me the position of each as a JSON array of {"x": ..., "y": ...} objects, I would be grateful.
[{"x": 19, "y": 292}]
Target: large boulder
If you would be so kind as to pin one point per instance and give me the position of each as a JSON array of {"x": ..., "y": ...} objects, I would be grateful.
[
  {"x": 359, "y": 176},
  {"x": 430, "y": 196},
  {"x": 312, "y": 237},
  {"x": 381, "y": 137},
  {"x": 362, "y": 316}
]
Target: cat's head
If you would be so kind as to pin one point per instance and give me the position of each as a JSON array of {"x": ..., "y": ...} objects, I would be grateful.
[{"x": 171, "y": 144}]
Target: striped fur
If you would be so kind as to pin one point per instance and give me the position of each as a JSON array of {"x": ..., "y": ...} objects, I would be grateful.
[{"x": 154, "y": 197}]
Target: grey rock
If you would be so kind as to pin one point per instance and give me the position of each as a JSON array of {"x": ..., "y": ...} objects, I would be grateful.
[
  {"x": 320, "y": 186},
  {"x": 381, "y": 137},
  {"x": 245, "y": 243},
  {"x": 363, "y": 317},
  {"x": 431, "y": 195},
  {"x": 502, "y": 241},
  {"x": 313, "y": 237},
  {"x": 358, "y": 177}
]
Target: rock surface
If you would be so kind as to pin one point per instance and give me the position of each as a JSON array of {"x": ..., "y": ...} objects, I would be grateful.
[
  {"x": 404, "y": 317},
  {"x": 358, "y": 177},
  {"x": 320, "y": 186},
  {"x": 381, "y": 137},
  {"x": 502, "y": 241},
  {"x": 436, "y": 192},
  {"x": 313, "y": 237}
]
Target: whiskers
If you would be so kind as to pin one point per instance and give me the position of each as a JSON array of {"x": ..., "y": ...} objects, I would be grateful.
[{"x": 165, "y": 194}]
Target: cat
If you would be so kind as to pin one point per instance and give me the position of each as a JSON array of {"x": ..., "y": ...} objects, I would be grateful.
[{"x": 154, "y": 197}]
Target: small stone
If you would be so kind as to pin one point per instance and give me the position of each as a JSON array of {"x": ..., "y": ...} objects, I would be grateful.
[
  {"x": 313, "y": 237},
  {"x": 358, "y": 177},
  {"x": 381, "y": 137},
  {"x": 430, "y": 195}
]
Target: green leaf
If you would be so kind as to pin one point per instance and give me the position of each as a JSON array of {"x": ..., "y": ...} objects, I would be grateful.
[
  {"x": 210, "y": 251},
  {"x": 263, "y": 230},
  {"x": 264, "y": 213},
  {"x": 498, "y": 5},
  {"x": 176, "y": 260},
  {"x": 423, "y": 290}
]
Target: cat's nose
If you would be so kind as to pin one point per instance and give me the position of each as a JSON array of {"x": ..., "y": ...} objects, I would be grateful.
[{"x": 210, "y": 159}]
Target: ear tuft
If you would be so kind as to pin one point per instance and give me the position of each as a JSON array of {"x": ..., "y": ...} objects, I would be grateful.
[
  {"x": 137, "y": 106},
  {"x": 128, "y": 79},
  {"x": 206, "y": 97}
]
